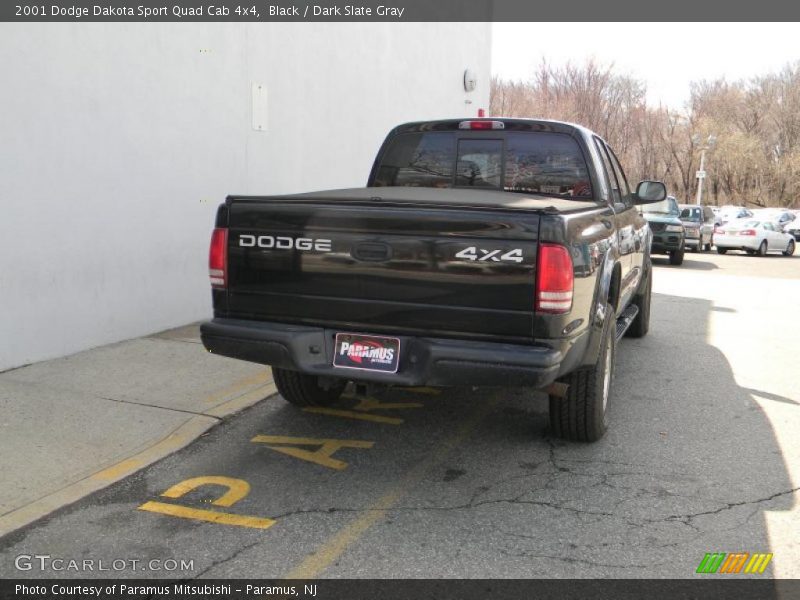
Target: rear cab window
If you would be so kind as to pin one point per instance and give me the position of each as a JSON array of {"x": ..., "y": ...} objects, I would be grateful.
[
  {"x": 524, "y": 162},
  {"x": 479, "y": 163},
  {"x": 418, "y": 159},
  {"x": 691, "y": 214}
]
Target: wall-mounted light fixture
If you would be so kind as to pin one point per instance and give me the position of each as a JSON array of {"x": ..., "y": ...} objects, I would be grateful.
[{"x": 470, "y": 80}]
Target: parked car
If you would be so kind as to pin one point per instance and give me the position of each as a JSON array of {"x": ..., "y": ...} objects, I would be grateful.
[
  {"x": 753, "y": 237},
  {"x": 776, "y": 215},
  {"x": 731, "y": 213},
  {"x": 669, "y": 235},
  {"x": 793, "y": 228},
  {"x": 698, "y": 221},
  {"x": 526, "y": 271}
]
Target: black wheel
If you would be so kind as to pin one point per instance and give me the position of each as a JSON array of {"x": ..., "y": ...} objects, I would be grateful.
[
  {"x": 789, "y": 249},
  {"x": 304, "y": 390},
  {"x": 676, "y": 257},
  {"x": 641, "y": 324},
  {"x": 581, "y": 416},
  {"x": 721, "y": 250},
  {"x": 762, "y": 249}
]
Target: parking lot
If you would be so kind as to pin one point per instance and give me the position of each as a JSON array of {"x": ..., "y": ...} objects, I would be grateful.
[{"x": 702, "y": 455}]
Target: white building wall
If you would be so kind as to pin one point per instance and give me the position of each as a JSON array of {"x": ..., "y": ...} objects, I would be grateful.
[{"x": 117, "y": 142}]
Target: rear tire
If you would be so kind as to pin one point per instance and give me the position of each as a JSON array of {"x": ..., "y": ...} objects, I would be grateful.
[
  {"x": 641, "y": 324},
  {"x": 721, "y": 250},
  {"x": 762, "y": 249},
  {"x": 581, "y": 416},
  {"x": 789, "y": 249},
  {"x": 304, "y": 390},
  {"x": 676, "y": 257}
]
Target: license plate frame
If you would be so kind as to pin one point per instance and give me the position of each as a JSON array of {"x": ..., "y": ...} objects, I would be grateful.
[{"x": 364, "y": 352}]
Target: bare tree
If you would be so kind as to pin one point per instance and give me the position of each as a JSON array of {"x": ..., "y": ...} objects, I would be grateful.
[{"x": 756, "y": 158}]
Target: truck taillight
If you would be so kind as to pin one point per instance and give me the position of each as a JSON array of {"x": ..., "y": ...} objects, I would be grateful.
[
  {"x": 554, "y": 279},
  {"x": 218, "y": 258}
]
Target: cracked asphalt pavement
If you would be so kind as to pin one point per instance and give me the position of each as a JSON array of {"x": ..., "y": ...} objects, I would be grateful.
[{"x": 703, "y": 455}]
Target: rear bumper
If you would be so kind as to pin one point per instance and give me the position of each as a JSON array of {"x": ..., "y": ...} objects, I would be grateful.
[
  {"x": 737, "y": 242},
  {"x": 693, "y": 238},
  {"x": 423, "y": 361}
]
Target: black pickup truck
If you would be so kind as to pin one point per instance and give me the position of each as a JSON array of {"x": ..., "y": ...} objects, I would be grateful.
[{"x": 485, "y": 252}]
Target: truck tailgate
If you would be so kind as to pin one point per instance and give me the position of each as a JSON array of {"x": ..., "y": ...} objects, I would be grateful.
[{"x": 379, "y": 268}]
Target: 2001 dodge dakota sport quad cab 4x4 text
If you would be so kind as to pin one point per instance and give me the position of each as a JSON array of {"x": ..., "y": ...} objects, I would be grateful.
[{"x": 486, "y": 252}]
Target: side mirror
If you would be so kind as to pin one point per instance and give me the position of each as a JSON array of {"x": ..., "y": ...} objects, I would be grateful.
[{"x": 649, "y": 192}]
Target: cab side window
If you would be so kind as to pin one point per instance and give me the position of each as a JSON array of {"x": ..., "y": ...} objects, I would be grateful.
[
  {"x": 625, "y": 191},
  {"x": 616, "y": 196}
]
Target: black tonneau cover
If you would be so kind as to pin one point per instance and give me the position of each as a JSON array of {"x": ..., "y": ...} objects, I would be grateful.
[{"x": 436, "y": 197}]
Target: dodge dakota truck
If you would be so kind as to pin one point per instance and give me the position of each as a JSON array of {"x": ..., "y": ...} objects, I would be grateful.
[{"x": 483, "y": 252}]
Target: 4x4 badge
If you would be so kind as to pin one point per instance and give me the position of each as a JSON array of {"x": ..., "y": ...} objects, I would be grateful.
[{"x": 482, "y": 254}]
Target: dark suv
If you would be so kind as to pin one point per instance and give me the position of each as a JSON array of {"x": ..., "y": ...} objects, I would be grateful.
[
  {"x": 698, "y": 221},
  {"x": 669, "y": 234}
]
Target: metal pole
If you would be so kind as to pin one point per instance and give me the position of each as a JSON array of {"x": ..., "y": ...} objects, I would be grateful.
[{"x": 701, "y": 179}]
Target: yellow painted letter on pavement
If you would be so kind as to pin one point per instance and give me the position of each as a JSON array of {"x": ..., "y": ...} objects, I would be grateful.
[
  {"x": 237, "y": 490},
  {"x": 323, "y": 456}
]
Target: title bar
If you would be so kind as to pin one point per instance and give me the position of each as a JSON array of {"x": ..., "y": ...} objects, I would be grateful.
[{"x": 403, "y": 11}]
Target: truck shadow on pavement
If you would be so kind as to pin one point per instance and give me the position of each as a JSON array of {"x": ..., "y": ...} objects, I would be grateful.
[
  {"x": 468, "y": 484},
  {"x": 713, "y": 465},
  {"x": 692, "y": 261}
]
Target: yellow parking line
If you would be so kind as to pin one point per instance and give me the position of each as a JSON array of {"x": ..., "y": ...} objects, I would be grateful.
[
  {"x": 211, "y": 516},
  {"x": 349, "y": 414},
  {"x": 331, "y": 550},
  {"x": 239, "y": 403},
  {"x": 423, "y": 390},
  {"x": 258, "y": 379},
  {"x": 370, "y": 404},
  {"x": 121, "y": 469}
]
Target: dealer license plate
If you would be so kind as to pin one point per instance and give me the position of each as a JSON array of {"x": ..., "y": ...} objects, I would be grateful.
[{"x": 367, "y": 352}]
